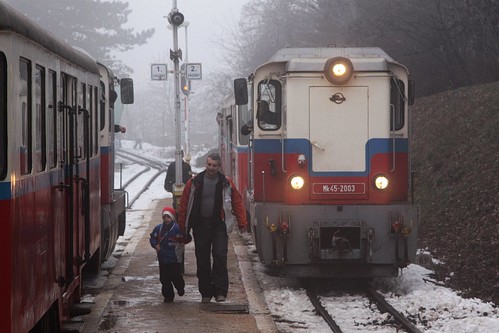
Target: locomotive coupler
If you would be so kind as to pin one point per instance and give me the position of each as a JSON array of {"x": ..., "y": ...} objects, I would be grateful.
[{"x": 340, "y": 243}]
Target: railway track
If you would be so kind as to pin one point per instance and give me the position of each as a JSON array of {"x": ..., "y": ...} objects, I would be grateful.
[
  {"x": 151, "y": 170},
  {"x": 402, "y": 322},
  {"x": 143, "y": 160}
]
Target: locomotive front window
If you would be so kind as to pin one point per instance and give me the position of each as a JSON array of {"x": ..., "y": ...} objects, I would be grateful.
[
  {"x": 397, "y": 104},
  {"x": 3, "y": 116},
  {"x": 268, "y": 109}
]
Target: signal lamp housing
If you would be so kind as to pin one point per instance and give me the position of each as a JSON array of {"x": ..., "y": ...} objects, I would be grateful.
[
  {"x": 338, "y": 70},
  {"x": 176, "y": 18}
]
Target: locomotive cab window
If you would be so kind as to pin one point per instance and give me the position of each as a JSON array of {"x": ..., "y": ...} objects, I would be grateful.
[
  {"x": 397, "y": 104},
  {"x": 102, "y": 105},
  {"x": 268, "y": 108}
]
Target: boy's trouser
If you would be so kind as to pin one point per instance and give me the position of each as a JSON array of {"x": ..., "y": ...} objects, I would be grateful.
[{"x": 171, "y": 274}]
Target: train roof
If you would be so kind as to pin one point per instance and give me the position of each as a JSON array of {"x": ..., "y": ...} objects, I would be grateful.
[
  {"x": 12, "y": 20},
  {"x": 313, "y": 59}
]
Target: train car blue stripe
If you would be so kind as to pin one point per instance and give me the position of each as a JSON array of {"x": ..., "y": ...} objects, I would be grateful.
[
  {"x": 5, "y": 191},
  {"x": 40, "y": 181}
]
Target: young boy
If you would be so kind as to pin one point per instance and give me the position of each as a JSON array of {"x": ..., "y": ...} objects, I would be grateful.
[{"x": 166, "y": 240}]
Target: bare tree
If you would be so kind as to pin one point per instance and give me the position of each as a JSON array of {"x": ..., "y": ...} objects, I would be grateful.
[{"x": 95, "y": 26}]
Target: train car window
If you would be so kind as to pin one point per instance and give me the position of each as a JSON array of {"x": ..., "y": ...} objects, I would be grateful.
[
  {"x": 26, "y": 147},
  {"x": 40, "y": 120},
  {"x": 90, "y": 120},
  {"x": 3, "y": 116},
  {"x": 61, "y": 129},
  {"x": 82, "y": 124},
  {"x": 51, "y": 118},
  {"x": 96, "y": 120},
  {"x": 268, "y": 113},
  {"x": 75, "y": 102},
  {"x": 102, "y": 107},
  {"x": 397, "y": 104}
]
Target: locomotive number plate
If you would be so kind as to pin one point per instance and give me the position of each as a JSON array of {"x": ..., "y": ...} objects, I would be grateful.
[{"x": 339, "y": 188}]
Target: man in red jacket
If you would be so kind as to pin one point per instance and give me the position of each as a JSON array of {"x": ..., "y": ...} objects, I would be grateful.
[{"x": 206, "y": 207}]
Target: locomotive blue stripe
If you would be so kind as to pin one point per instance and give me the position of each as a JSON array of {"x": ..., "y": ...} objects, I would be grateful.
[{"x": 303, "y": 146}]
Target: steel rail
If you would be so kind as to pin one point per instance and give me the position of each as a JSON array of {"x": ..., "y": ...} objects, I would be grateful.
[
  {"x": 322, "y": 311},
  {"x": 384, "y": 305}
]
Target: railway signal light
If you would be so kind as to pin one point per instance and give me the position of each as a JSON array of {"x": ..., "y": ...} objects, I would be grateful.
[
  {"x": 176, "y": 18},
  {"x": 185, "y": 85}
]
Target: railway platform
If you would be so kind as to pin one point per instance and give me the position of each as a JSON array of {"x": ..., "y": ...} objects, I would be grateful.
[{"x": 131, "y": 300}]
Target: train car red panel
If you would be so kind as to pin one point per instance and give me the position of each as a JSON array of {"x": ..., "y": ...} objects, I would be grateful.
[{"x": 50, "y": 175}]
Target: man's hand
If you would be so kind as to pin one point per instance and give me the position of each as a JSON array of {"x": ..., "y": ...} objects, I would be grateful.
[{"x": 186, "y": 239}]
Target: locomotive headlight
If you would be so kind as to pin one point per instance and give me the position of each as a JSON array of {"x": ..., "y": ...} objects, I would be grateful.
[
  {"x": 297, "y": 182},
  {"x": 381, "y": 182},
  {"x": 338, "y": 70}
]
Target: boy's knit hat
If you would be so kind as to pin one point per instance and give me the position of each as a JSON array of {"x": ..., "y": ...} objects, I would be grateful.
[{"x": 170, "y": 212}]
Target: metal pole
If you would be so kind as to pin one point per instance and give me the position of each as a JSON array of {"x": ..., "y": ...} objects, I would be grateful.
[
  {"x": 186, "y": 120},
  {"x": 178, "y": 186}
]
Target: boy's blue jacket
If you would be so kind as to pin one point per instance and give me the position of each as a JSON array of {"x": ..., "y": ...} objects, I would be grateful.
[{"x": 166, "y": 237}]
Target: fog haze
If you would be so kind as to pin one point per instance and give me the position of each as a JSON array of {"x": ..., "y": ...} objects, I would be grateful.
[{"x": 210, "y": 22}]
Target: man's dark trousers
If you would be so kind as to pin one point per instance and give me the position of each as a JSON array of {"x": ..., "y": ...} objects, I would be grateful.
[{"x": 210, "y": 238}]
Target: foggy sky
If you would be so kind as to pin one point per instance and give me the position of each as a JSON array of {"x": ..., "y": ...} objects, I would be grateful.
[{"x": 208, "y": 22}]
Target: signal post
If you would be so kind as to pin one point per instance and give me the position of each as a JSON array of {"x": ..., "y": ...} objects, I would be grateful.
[{"x": 175, "y": 18}]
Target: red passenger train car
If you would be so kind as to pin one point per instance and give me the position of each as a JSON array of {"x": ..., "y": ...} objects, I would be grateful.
[
  {"x": 317, "y": 142},
  {"x": 59, "y": 211}
]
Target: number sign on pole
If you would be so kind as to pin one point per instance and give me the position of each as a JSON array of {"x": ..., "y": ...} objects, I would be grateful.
[
  {"x": 158, "y": 72},
  {"x": 193, "y": 71}
]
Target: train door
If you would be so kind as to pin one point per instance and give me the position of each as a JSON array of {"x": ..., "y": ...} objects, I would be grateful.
[
  {"x": 56, "y": 160},
  {"x": 68, "y": 106},
  {"x": 338, "y": 128}
]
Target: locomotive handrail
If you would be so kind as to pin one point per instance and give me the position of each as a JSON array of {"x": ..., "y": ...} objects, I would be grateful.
[
  {"x": 270, "y": 134},
  {"x": 263, "y": 185},
  {"x": 392, "y": 110},
  {"x": 282, "y": 156}
]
